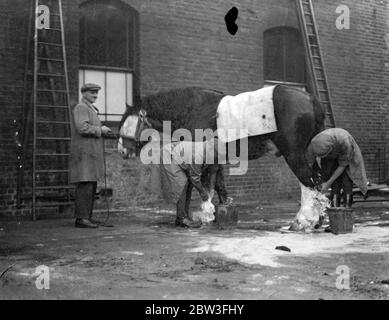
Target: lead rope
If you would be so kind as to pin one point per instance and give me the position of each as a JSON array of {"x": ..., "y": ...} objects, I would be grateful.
[
  {"x": 105, "y": 185},
  {"x": 117, "y": 138}
]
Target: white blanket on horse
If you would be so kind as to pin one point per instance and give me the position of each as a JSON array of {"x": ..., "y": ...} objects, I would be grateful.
[{"x": 246, "y": 114}]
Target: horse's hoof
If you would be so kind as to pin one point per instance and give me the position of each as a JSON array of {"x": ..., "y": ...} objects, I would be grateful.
[
  {"x": 294, "y": 226},
  {"x": 320, "y": 223}
]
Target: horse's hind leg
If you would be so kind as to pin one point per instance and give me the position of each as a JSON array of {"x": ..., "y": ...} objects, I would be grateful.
[{"x": 299, "y": 165}]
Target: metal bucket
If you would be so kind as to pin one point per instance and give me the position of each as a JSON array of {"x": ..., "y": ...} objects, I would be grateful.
[
  {"x": 341, "y": 220},
  {"x": 226, "y": 216}
]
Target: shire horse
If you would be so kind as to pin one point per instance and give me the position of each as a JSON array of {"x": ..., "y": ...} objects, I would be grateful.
[{"x": 299, "y": 117}]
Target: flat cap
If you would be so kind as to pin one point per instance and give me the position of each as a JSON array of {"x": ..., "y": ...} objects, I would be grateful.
[{"x": 90, "y": 87}]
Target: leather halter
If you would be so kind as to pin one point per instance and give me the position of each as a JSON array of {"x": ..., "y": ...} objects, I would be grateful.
[{"x": 142, "y": 122}]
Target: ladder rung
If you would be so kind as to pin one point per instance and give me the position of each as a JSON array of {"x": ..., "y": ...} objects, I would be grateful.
[
  {"x": 311, "y": 40},
  {"x": 50, "y": 106},
  {"x": 52, "y": 138},
  {"x": 51, "y": 171},
  {"x": 53, "y": 204},
  {"x": 50, "y": 59},
  {"x": 52, "y": 154},
  {"x": 53, "y": 29},
  {"x": 58, "y": 122},
  {"x": 50, "y": 90},
  {"x": 50, "y": 44},
  {"x": 50, "y": 75},
  {"x": 54, "y": 187}
]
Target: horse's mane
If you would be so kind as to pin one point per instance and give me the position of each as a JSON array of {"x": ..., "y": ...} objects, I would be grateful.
[{"x": 180, "y": 105}]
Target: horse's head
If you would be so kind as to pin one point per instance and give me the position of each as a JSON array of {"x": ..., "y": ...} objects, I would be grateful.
[{"x": 129, "y": 144}]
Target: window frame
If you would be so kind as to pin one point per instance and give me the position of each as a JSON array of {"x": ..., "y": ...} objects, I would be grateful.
[
  {"x": 131, "y": 48},
  {"x": 132, "y": 14},
  {"x": 284, "y": 32},
  {"x": 106, "y": 70}
]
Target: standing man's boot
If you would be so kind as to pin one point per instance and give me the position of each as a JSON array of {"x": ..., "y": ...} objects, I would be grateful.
[
  {"x": 85, "y": 223},
  {"x": 183, "y": 203}
]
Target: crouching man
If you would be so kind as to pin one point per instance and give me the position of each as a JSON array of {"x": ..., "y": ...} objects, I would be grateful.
[
  {"x": 184, "y": 166},
  {"x": 341, "y": 162}
]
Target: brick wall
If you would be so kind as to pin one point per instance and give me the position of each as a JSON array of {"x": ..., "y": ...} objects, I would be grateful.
[
  {"x": 12, "y": 55},
  {"x": 185, "y": 43},
  {"x": 386, "y": 80},
  {"x": 355, "y": 63},
  {"x": 14, "y": 25}
]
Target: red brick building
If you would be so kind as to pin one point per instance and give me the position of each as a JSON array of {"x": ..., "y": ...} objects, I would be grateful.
[{"x": 137, "y": 47}]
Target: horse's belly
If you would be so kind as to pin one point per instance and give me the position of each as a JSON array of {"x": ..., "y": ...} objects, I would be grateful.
[
  {"x": 258, "y": 146},
  {"x": 255, "y": 148}
]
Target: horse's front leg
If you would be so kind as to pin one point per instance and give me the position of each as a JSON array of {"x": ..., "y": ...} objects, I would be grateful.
[
  {"x": 188, "y": 198},
  {"x": 212, "y": 172},
  {"x": 220, "y": 185},
  {"x": 216, "y": 183}
]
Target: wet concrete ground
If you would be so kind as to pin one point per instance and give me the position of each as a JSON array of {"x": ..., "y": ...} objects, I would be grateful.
[{"x": 146, "y": 257}]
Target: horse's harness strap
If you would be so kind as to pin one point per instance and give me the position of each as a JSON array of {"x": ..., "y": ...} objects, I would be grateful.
[{"x": 142, "y": 119}]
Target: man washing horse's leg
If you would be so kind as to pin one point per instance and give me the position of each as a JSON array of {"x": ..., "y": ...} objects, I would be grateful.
[
  {"x": 339, "y": 147},
  {"x": 183, "y": 166}
]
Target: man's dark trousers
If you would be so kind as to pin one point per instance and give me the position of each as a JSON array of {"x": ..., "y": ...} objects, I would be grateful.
[
  {"x": 184, "y": 201},
  {"x": 85, "y": 198}
]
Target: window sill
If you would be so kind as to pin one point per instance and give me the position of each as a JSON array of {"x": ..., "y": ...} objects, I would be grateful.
[
  {"x": 105, "y": 68},
  {"x": 297, "y": 85}
]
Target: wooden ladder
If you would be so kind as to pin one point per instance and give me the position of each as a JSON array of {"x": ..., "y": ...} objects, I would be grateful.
[
  {"x": 50, "y": 113},
  {"x": 315, "y": 58}
]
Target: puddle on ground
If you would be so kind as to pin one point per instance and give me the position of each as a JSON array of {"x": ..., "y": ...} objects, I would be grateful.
[{"x": 261, "y": 250}]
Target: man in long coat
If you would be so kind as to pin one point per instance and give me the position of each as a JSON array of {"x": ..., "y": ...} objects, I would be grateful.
[{"x": 86, "y": 155}]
